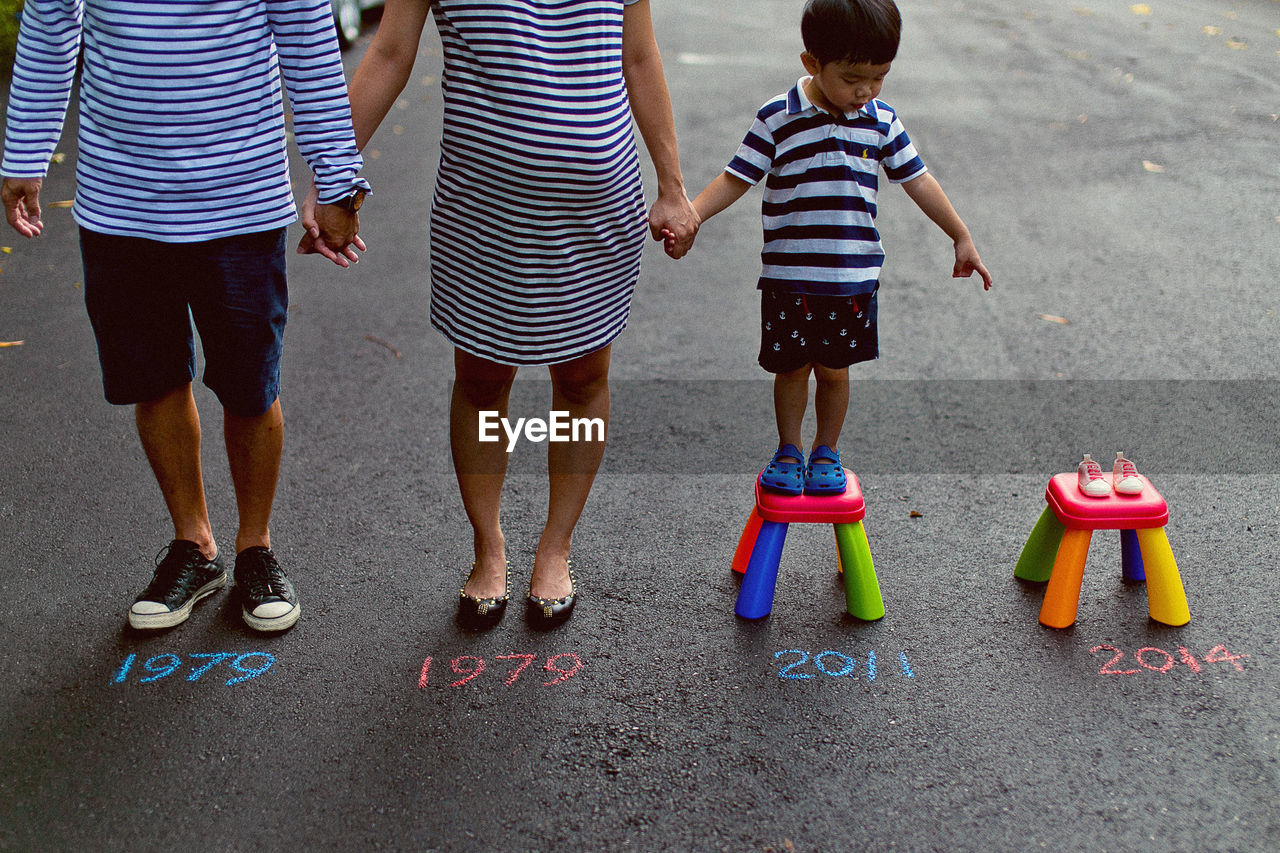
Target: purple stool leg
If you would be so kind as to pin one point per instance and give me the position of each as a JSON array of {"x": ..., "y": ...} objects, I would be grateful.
[
  {"x": 755, "y": 596},
  {"x": 1131, "y": 556}
]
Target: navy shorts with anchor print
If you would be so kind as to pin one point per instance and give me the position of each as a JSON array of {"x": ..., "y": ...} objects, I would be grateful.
[{"x": 833, "y": 331}]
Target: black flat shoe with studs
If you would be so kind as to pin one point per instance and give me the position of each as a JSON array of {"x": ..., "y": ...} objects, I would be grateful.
[
  {"x": 482, "y": 612},
  {"x": 549, "y": 612}
]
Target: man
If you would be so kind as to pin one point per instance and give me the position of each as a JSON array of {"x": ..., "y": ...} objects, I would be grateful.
[{"x": 182, "y": 199}]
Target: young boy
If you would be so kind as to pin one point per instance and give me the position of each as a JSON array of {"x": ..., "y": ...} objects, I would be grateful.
[{"x": 819, "y": 147}]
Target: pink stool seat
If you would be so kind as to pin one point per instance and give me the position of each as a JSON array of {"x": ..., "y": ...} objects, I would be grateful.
[
  {"x": 1078, "y": 511},
  {"x": 844, "y": 508}
]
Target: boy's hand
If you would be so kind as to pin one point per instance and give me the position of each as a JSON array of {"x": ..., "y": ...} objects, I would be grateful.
[
  {"x": 21, "y": 197},
  {"x": 670, "y": 244},
  {"x": 968, "y": 262}
]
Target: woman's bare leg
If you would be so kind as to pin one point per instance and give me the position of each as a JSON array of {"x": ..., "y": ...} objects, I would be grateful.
[
  {"x": 481, "y": 467},
  {"x": 581, "y": 388}
]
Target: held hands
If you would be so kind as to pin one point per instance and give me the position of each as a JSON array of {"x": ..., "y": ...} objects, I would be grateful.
[
  {"x": 674, "y": 221},
  {"x": 21, "y": 197},
  {"x": 968, "y": 262},
  {"x": 330, "y": 230}
]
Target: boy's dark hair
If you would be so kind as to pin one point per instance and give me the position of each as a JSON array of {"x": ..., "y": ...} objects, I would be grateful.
[{"x": 851, "y": 30}]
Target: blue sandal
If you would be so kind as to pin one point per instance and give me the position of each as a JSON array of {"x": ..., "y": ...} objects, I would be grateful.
[
  {"x": 824, "y": 478},
  {"x": 784, "y": 477}
]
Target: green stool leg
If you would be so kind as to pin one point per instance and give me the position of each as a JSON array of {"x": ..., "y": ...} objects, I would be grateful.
[
  {"x": 1036, "y": 561},
  {"x": 861, "y": 588}
]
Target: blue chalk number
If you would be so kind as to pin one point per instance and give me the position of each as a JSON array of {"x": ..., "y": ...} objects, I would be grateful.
[{"x": 248, "y": 665}]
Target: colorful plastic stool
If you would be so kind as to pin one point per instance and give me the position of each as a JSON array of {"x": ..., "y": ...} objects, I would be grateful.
[
  {"x": 760, "y": 548},
  {"x": 1059, "y": 543}
]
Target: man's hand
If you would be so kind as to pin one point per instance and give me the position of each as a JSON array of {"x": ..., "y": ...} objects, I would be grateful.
[
  {"x": 968, "y": 262},
  {"x": 330, "y": 230},
  {"x": 21, "y": 197},
  {"x": 673, "y": 220}
]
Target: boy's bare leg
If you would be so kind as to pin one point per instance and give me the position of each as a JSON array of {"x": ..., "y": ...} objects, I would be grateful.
[
  {"x": 481, "y": 467},
  {"x": 830, "y": 403},
  {"x": 581, "y": 388},
  {"x": 169, "y": 427},
  {"x": 254, "y": 445},
  {"x": 790, "y": 399}
]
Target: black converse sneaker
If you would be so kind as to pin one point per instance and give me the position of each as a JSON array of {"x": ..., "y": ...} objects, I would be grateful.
[
  {"x": 183, "y": 577},
  {"x": 267, "y": 599}
]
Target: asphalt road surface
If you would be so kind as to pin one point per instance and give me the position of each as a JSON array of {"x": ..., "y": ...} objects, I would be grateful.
[{"x": 1118, "y": 168}]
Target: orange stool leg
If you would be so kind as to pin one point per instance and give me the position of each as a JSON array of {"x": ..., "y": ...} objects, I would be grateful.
[
  {"x": 1062, "y": 595},
  {"x": 746, "y": 542}
]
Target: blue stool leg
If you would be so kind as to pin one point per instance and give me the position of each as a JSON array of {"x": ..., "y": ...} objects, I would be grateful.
[
  {"x": 755, "y": 596},
  {"x": 1131, "y": 556}
]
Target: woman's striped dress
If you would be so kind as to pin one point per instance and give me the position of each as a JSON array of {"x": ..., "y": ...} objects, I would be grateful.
[{"x": 538, "y": 217}]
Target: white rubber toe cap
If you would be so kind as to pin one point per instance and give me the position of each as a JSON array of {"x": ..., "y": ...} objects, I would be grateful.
[
  {"x": 148, "y": 608},
  {"x": 272, "y": 609}
]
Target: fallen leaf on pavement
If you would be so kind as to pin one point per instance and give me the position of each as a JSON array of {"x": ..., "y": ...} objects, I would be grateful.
[
  {"x": 61, "y": 203},
  {"x": 1063, "y": 321},
  {"x": 1152, "y": 167},
  {"x": 11, "y": 343},
  {"x": 1140, "y": 9},
  {"x": 1237, "y": 44},
  {"x": 381, "y": 342},
  {"x": 1211, "y": 30},
  {"x": 914, "y": 514}
]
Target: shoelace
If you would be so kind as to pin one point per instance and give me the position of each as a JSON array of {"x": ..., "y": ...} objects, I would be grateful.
[
  {"x": 1093, "y": 470},
  {"x": 169, "y": 568},
  {"x": 268, "y": 580},
  {"x": 163, "y": 554},
  {"x": 1128, "y": 469}
]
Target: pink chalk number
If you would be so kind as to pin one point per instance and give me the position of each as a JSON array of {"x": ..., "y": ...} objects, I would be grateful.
[
  {"x": 565, "y": 665},
  {"x": 1153, "y": 659}
]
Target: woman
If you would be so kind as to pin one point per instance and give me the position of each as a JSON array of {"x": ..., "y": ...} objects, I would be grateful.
[{"x": 537, "y": 226}]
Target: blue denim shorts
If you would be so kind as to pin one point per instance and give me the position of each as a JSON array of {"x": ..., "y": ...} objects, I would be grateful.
[{"x": 143, "y": 294}]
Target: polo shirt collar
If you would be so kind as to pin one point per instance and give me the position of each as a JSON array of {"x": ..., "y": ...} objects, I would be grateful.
[{"x": 798, "y": 102}]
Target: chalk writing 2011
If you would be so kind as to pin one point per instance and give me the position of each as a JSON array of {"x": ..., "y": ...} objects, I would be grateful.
[
  {"x": 836, "y": 665},
  {"x": 565, "y": 666},
  {"x": 162, "y": 666},
  {"x": 1152, "y": 659}
]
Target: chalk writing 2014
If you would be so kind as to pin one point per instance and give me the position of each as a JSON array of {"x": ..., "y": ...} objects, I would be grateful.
[
  {"x": 837, "y": 665},
  {"x": 1152, "y": 659},
  {"x": 162, "y": 666},
  {"x": 565, "y": 666}
]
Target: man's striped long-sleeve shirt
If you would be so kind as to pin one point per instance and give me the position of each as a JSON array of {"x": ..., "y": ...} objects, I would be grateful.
[{"x": 182, "y": 126}]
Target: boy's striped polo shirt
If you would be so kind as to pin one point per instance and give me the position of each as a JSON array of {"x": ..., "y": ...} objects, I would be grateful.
[{"x": 820, "y": 193}]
